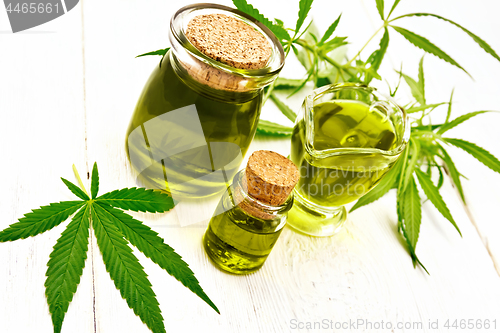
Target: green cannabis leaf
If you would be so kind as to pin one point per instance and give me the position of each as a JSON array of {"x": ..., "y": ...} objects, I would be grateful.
[
  {"x": 380, "y": 8},
  {"x": 458, "y": 121},
  {"x": 40, "y": 220},
  {"x": 476, "y": 38},
  {"x": 137, "y": 200},
  {"x": 114, "y": 229},
  {"x": 161, "y": 52},
  {"x": 304, "y": 8},
  {"x": 433, "y": 195},
  {"x": 330, "y": 30},
  {"x": 412, "y": 213},
  {"x": 481, "y": 154},
  {"x": 375, "y": 59},
  {"x": 285, "y": 109},
  {"x": 411, "y": 163},
  {"x": 423, "y": 107},
  {"x": 65, "y": 266},
  {"x": 285, "y": 84},
  {"x": 277, "y": 29},
  {"x": 394, "y": 5},
  {"x": 426, "y": 148},
  {"x": 125, "y": 271},
  {"x": 452, "y": 171},
  {"x": 426, "y": 45},
  {"x": 268, "y": 127},
  {"x": 383, "y": 187}
]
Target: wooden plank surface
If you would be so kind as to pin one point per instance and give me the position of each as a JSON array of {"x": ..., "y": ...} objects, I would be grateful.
[
  {"x": 362, "y": 273},
  {"x": 43, "y": 133}
]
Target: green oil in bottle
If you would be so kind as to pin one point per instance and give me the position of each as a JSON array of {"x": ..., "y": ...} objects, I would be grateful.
[
  {"x": 237, "y": 241},
  {"x": 181, "y": 133},
  {"x": 342, "y": 125}
]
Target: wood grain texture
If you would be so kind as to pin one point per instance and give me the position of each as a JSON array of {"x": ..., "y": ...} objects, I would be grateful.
[
  {"x": 43, "y": 134},
  {"x": 362, "y": 273}
]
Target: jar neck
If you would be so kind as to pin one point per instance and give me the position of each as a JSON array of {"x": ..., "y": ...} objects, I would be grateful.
[
  {"x": 206, "y": 84},
  {"x": 205, "y": 72},
  {"x": 253, "y": 206}
]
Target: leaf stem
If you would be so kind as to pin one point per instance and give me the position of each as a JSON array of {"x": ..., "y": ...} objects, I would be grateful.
[
  {"x": 331, "y": 61},
  {"x": 325, "y": 57},
  {"x": 79, "y": 179},
  {"x": 366, "y": 44},
  {"x": 269, "y": 92},
  {"x": 340, "y": 68}
]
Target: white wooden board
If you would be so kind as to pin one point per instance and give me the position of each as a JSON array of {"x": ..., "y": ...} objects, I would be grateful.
[
  {"x": 78, "y": 113},
  {"x": 42, "y": 117}
]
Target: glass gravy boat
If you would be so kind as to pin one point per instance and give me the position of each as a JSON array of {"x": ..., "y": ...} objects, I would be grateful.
[{"x": 346, "y": 138}]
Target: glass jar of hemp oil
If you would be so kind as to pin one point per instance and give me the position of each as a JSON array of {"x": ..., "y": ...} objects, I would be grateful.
[
  {"x": 251, "y": 214},
  {"x": 199, "y": 110}
]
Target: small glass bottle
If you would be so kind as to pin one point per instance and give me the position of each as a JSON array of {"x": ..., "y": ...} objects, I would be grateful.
[{"x": 252, "y": 213}]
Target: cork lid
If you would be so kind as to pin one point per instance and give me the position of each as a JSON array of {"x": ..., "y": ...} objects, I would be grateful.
[
  {"x": 229, "y": 40},
  {"x": 270, "y": 177}
]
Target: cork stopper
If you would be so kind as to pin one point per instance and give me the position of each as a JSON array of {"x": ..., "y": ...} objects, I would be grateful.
[
  {"x": 229, "y": 40},
  {"x": 270, "y": 177},
  {"x": 226, "y": 40}
]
